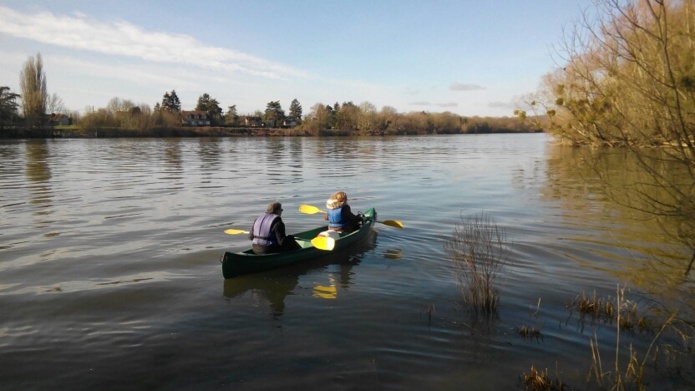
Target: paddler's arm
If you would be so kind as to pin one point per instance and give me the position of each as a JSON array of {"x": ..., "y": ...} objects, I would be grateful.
[{"x": 279, "y": 229}]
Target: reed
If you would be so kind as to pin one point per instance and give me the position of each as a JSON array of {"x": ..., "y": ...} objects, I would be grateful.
[
  {"x": 629, "y": 374},
  {"x": 477, "y": 250},
  {"x": 535, "y": 380},
  {"x": 608, "y": 309},
  {"x": 530, "y": 332}
]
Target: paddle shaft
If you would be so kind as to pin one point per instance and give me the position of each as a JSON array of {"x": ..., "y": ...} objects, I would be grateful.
[{"x": 310, "y": 209}]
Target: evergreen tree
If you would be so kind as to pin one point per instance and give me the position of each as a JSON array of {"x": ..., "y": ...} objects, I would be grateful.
[
  {"x": 331, "y": 114},
  {"x": 8, "y": 106},
  {"x": 171, "y": 102},
  {"x": 295, "y": 112},
  {"x": 274, "y": 115},
  {"x": 203, "y": 102},
  {"x": 211, "y": 106}
]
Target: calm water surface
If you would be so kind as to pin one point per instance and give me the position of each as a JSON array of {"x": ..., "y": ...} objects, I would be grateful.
[{"x": 110, "y": 275}]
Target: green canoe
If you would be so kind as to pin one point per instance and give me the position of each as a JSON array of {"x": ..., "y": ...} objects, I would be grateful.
[{"x": 245, "y": 262}]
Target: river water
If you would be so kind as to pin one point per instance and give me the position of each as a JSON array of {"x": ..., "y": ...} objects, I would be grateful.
[{"x": 110, "y": 275}]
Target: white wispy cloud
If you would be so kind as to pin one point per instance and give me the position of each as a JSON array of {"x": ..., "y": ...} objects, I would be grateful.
[
  {"x": 502, "y": 105},
  {"x": 121, "y": 38},
  {"x": 465, "y": 87}
]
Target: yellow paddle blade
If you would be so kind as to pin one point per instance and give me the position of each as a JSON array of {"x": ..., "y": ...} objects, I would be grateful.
[
  {"x": 392, "y": 223},
  {"x": 325, "y": 292},
  {"x": 326, "y": 289},
  {"x": 323, "y": 243},
  {"x": 233, "y": 231},
  {"x": 325, "y": 295},
  {"x": 309, "y": 209},
  {"x": 393, "y": 254}
]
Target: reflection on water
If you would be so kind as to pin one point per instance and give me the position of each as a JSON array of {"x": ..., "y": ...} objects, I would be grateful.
[
  {"x": 172, "y": 154},
  {"x": 38, "y": 172},
  {"x": 119, "y": 283},
  {"x": 275, "y": 285},
  {"x": 393, "y": 253},
  {"x": 37, "y": 161},
  {"x": 210, "y": 150},
  {"x": 595, "y": 192},
  {"x": 272, "y": 289}
]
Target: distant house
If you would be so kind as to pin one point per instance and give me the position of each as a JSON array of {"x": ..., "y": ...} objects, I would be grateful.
[
  {"x": 195, "y": 118},
  {"x": 289, "y": 123},
  {"x": 254, "y": 122},
  {"x": 59, "y": 119}
]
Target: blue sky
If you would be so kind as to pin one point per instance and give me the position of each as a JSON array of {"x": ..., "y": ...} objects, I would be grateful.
[{"x": 467, "y": 57}]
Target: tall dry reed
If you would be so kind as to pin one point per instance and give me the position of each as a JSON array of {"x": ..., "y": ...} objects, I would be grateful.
[{"x": 477, "y": 250}]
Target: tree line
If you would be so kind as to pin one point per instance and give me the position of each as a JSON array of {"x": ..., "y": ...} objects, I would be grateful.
[{"x": 348, "y": 118}]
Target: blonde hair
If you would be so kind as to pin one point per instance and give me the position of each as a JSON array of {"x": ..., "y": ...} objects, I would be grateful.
[{"x": 339, "y": 196}]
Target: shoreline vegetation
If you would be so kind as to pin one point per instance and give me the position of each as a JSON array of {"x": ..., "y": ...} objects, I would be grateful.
[{"x": 72, "y": 131}]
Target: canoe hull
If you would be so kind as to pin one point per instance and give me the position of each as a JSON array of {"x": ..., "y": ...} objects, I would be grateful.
[{"x": 245, "y": 262}]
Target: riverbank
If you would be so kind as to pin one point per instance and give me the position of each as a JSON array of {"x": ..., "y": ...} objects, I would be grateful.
[
  {"x": 207, "y": 131},
  {"x": 73, "y": 132}
]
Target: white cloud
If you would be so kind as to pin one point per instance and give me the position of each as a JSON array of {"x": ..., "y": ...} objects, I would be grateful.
[
  {"x": 464, "y": 87},
  {"x": 502, "y": 105},
  {"x": 124, "y": 39}
]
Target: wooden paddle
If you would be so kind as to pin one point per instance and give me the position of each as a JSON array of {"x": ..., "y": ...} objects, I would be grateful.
[
  {"x": 310, "y": 209},
  {"x": 320, "y": 242}
]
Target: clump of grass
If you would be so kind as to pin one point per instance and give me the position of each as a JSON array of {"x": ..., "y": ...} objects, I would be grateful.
[
  {"x": 477, "y": 251},
  {"x": 530, "y": 332},
  {"x": 541, "y": 381},
  {"x": 611, "y": 310}
]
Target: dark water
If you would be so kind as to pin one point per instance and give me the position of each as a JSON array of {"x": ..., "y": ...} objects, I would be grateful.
[{"x": 109, "y": 272}]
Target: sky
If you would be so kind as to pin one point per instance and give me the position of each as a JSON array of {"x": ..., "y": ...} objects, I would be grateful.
[{"x": 467, "y": 57}]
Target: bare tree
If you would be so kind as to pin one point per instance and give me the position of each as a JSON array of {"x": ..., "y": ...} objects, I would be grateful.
[
  {"x": 34, "y": 92},
  {"x": 629, "y": 81},
  {"x": 54, "y": 104}
]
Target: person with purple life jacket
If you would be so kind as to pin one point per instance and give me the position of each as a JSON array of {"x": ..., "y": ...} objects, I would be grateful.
[{"x": 268, "y": 232}]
